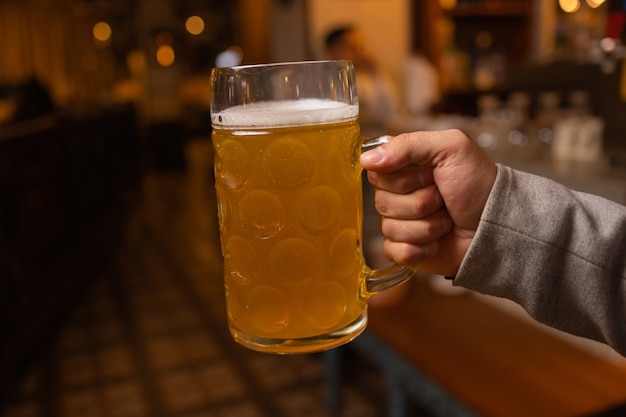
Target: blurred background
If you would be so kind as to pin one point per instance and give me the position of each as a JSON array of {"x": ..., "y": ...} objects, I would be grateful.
[{"x": 111, "y": 301}]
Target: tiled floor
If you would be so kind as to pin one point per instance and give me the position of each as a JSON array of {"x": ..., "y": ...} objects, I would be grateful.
[{"x": 150, "y": 339}]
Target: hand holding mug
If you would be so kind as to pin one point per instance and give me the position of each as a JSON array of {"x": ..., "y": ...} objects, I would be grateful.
[{"x": 431, "y": 190}]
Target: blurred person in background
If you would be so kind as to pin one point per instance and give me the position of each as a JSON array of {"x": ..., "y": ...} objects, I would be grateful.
[
  {"x": 423, "y": 91},
  {"x": 379, "y": 97}
]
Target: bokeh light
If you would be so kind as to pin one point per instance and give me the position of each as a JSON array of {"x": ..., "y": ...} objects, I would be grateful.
[
  {"x": 136, "y": 62},
  {"x": 165, "y": 55},
  {"x": 608, "y": 45},
  {"x": 230, "y": 57},
  {"x": 594, "y": 4},
  {"x": 102, "y": 31},
  {"x": 569, "y": 6},
  {"x": 194, "y": 25}
]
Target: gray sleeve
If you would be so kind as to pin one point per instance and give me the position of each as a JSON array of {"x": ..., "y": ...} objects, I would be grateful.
[{"x": 558, "y": 253}]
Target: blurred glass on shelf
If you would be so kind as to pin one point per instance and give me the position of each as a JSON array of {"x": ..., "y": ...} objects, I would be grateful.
[
  {"x": 578, "y": 133},
  {"x": 507, "y": 129},
  {"x": 548, "y": 113},
  {"x": 490, "y": 127}
]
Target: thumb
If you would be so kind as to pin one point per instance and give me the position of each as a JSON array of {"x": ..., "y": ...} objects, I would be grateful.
[{"x": 419, "y": 148}]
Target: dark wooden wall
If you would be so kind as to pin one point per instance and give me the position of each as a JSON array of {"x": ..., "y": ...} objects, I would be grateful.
[{"x": 62, "y": 180}]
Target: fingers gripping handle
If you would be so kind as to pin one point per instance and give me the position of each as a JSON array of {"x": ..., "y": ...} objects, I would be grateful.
[{"x": 379, "y": 280}]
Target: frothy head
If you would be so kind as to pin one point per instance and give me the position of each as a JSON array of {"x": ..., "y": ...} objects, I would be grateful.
[{"x": 285, "y": 113}]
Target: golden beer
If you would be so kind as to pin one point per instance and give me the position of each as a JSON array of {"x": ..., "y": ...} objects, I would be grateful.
[{"x": 290, "y": 213}]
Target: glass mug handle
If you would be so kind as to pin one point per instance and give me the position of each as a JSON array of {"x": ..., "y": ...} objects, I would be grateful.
[{"x": 378, "y": 280}]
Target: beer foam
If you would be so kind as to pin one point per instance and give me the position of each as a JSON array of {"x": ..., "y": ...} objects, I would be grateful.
[{"x": 285, "y": 113}]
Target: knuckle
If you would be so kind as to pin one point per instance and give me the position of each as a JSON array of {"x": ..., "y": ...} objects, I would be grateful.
[
  {"x": 386, "y": 227},
  {"x": 408, "y": 254},
  {"x": 380, "y": 204}
]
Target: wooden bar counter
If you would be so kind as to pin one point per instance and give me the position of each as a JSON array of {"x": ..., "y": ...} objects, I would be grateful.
[{"x": 492, "y": 362}]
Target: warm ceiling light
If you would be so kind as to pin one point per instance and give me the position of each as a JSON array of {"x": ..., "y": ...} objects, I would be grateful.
[
  {"x": 595, "y": 3},
  {"x": 102, "y": 31},
  {"x": 569, "y": 6},
  {"x": 165, "y": 55},
  {"x": 194, "y": 25}
]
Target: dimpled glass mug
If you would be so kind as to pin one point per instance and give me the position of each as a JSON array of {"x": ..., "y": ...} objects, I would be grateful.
[{"x": 288, "y": 180}]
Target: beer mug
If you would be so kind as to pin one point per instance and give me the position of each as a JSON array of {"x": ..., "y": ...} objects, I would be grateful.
[{"x": 288, "y": 181}]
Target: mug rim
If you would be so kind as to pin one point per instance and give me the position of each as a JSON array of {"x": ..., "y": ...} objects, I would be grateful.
[{"x": 287, "y": 63}]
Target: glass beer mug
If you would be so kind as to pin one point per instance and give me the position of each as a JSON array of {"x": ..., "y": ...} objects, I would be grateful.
[{"x": 288, "y": 180}]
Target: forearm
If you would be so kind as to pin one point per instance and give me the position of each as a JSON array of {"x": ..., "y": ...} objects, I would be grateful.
[{"x": 558, "y": 253}]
